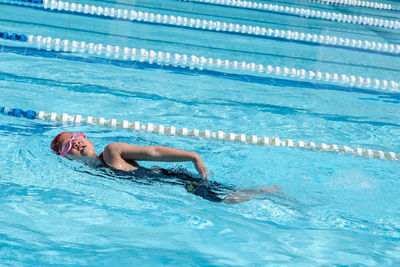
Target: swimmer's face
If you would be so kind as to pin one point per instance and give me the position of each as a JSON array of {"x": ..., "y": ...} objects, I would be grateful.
[{"x": 80, "y": 148}]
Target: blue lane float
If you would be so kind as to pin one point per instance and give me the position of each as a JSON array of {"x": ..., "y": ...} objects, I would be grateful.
[
  {"x": 16, "y": 112},
  {"x": 31, "y": 1},
  {"x": 13, "y": 36}
]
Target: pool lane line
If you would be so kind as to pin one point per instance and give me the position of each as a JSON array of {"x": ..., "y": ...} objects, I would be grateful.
[
  {"x": 197, "y": 134},
  {"x": 201, "y": 62},
  {"x": 392, "y": 68},
  {"x": 358, "y": 3},
  {"x": 225, "y": 16},
  {"x": 305, "y": 13},
  {"x": 248, "y": 78},
  {"x": 372, "y": 6},
  {"x": 216, "y": 48},
  {"x": 217, "y": 26}
]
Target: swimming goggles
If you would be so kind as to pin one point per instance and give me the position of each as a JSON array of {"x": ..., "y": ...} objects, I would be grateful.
[{"x": 66, "y": 148}]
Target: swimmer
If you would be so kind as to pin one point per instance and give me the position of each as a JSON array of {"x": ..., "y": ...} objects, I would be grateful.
[{"x": 123, "y": 157}]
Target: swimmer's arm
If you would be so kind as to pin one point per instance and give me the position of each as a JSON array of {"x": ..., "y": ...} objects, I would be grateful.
[{"x": 157, "y": 153}]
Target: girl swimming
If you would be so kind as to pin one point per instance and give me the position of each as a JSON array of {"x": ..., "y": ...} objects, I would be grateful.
[{"x": 123, "y": 157}]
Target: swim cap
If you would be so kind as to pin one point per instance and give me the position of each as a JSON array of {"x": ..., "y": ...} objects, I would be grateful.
[{"x": 54, "y": 144}]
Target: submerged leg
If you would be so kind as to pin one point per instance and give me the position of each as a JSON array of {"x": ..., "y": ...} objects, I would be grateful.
[
  {"x": 260, "y": 190},
  {"x": 243, "y": 195},
  {"x": 218, "y": 192},
  {"x": 234, "y": 198}
]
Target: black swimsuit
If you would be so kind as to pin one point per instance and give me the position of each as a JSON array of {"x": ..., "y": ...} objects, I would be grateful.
[{"x": 204, "y": 188}]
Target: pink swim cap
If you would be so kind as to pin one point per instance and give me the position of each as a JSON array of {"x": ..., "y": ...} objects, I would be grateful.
[{"x": 54, "y": 144}]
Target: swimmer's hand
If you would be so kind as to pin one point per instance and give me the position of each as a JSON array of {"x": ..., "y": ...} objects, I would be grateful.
[{"x": 200, "y": 167}]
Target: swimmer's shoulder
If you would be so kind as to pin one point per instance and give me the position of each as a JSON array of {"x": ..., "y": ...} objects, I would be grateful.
[
  {"x": 112, "y": 150},
  {"x": 112, "y": 157}
]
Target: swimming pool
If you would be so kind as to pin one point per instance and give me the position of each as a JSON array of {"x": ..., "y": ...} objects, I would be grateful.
[{"x": 334, "y": 208}]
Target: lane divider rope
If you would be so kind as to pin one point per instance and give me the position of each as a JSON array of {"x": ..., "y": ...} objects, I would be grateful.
[
  {"x": 358, "y": 3},
  {"x": 216, "y": 26},
  {"x": 201, "y": 62},
  {"x": 307, "y": 13},
  {"x": 195, "y": 133}
]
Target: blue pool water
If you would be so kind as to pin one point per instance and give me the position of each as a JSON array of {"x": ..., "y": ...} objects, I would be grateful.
[{"x": 333, "y": 209}]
